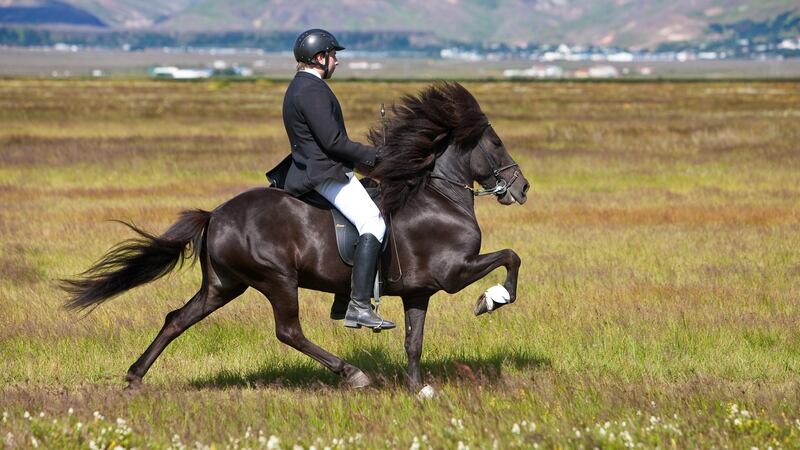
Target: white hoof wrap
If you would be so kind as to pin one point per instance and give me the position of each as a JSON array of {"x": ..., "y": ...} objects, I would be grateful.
[
  {"x": 426, "y": 392},
  {"x": 496, "y": 294}
]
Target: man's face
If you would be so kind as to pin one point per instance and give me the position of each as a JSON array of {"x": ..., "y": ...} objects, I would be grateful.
[{"x": 332, "y": 61}]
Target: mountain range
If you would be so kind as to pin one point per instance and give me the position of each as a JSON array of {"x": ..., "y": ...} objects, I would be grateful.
[{"x": 629, "y": 23}]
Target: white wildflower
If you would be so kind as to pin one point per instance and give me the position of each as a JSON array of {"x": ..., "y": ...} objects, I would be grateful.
[
  {"x": 27, "y": 415},
  {"x": 9, "y": 439},
  {"x": 176, "y": 443},
  {"x": 70, "y": 412},
  {"x": 462, "y": 446},
  {"x": 515, "y": 428},
  {"x": 297, "y": 447},
  {"x": 414, "y": 444},
  {"x": 34, "y": 442},
  {"x": 577, "y": 433},
  {"x": 41, "y": 414},
  {"x": 457, "y": 423},
  {"x": 5, "y": 417},
  {"x": 97, "y": 416},
  {"x": 273, "y": 443}
]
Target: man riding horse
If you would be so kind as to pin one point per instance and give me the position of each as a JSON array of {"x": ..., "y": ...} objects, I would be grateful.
[
  {"x": 439, "y": 143},
  {"x": 323, "y": 159}
]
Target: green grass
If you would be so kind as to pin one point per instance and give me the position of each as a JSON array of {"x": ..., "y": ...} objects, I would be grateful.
[{"x": 658, "y": 296}]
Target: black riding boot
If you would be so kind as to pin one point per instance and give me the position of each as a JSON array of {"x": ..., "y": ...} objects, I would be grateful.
[{"x": 360, "y": 312}]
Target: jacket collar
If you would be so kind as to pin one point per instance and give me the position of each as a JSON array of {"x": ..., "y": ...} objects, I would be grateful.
[{"x": 310, "y": 77}]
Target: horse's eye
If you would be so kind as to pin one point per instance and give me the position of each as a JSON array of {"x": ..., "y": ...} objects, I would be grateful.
[{"x": 497, "y": 142}]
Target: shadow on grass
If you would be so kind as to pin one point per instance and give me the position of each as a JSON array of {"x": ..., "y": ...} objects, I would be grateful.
[{"x": 385, "y": 371}]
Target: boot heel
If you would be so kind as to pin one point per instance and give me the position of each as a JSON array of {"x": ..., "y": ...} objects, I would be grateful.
[{"x": 351, "y": 324}]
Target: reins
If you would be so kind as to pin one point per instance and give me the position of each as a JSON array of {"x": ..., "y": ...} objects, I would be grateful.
[{"x": 500, "y": 187}]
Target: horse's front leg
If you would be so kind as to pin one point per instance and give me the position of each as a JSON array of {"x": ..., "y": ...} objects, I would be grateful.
[
  {"x": 476, "y": 267},
  {"x": 415, "y": 310}
]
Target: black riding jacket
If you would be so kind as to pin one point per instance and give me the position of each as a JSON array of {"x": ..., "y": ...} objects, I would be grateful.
[{"x": 320, "y": 146}]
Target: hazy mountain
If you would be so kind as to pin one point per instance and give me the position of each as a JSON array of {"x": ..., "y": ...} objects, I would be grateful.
[{"x": 643, "y": 23}]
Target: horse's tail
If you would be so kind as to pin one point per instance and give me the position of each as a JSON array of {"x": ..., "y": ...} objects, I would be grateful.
[{"x": 137, "y": 261}]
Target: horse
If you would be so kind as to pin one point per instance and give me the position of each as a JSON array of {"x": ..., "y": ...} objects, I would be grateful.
[{"x": 438, "y": 143}]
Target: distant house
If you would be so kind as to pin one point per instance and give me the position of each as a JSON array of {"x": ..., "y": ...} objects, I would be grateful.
[
  {"x": 603, "y": 72},
  {"x": 177, "y": 73},
  {"x": 364, "y": 65},
  {"x": 549, "y": 71}
]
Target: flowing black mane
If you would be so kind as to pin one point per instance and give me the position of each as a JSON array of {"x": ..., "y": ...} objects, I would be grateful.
[{"x": 420, "y": 129}]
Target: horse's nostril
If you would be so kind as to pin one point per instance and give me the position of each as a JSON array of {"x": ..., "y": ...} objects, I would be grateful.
[{"x": 525, "y": 188}]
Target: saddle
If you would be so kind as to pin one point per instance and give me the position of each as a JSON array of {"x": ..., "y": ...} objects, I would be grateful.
[{"x": 346, "y": 232}]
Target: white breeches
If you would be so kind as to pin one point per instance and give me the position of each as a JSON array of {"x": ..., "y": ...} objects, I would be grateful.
[{"x": 352, "y": 200}]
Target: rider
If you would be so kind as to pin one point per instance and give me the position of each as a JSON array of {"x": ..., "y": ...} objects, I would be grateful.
[{"x": 323, "y": 158}]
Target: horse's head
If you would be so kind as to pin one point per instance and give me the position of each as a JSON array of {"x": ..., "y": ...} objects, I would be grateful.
[{"x": 494, "y": 169}]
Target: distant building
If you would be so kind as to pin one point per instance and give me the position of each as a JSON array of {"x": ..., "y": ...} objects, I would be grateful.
[
  {"x": 603, "y": 72},
  {"x": 790, "y": 44},
  {"x": 549, "y": 71},
  {"x": 620, "y": 57},
  {"x": 364, "y": 65},
  {"x": 179, "y": 74}
]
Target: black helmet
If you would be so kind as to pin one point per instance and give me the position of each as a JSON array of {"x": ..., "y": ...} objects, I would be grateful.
[{"x": 314, "y": 41}]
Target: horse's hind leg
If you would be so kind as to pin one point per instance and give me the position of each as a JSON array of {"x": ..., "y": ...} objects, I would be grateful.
[
  {"x": 282, "y": 294},
  {"x": 206, "y": 301}
]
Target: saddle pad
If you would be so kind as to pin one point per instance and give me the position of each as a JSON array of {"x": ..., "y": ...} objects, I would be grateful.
[{"x": 346, "y": 232}]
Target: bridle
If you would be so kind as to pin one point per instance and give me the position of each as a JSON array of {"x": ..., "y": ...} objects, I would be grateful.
[{"x": 501, "y": 185}]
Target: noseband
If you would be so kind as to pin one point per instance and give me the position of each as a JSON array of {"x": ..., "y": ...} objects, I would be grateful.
[{"x": 501, "y": 185}]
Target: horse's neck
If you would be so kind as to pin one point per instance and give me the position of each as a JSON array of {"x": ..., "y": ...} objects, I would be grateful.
[{"x": 454, "y": 165}]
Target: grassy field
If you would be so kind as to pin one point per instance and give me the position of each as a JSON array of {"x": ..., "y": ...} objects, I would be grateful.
[{"x": 658, "y": 299}]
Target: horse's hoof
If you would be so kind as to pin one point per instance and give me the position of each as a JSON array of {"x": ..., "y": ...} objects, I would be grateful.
[
  {"x": 134, "y": 383},
  {"x": 481, "y": 307},
  {"x": 426, "y": 392},
  {"x": 358, "y": 380}
]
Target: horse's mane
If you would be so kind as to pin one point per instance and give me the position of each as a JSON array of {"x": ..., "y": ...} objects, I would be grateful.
[{"x": 420, "y": 129}]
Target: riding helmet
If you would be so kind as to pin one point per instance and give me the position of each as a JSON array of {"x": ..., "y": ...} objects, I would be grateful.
[{"x": 314, "y": 41}]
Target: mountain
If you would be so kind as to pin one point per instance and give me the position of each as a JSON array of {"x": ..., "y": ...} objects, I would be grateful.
[{"x": 637, "y": 24}]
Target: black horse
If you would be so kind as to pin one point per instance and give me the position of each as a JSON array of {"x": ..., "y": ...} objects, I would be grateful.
[{"x": 438, "y": 143}]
